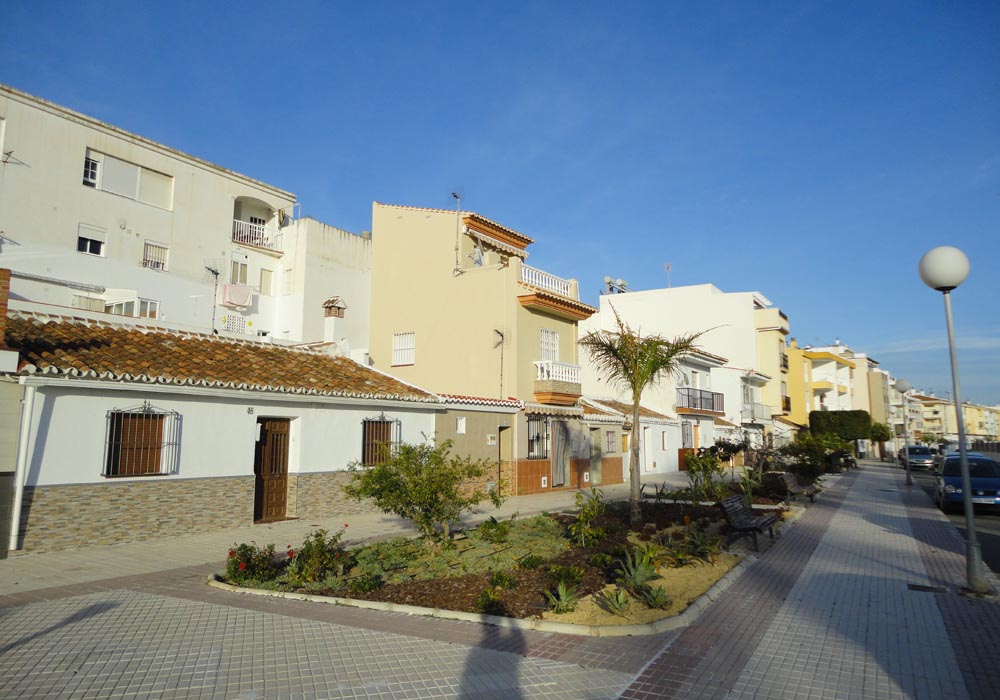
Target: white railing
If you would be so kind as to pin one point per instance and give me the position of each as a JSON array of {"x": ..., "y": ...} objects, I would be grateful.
[
  {"x": 246, "y": 233},
  {"x": 758, "y": 411},
  {"x": 550, "y": 370},
  {"x": 538, "y": 278}
]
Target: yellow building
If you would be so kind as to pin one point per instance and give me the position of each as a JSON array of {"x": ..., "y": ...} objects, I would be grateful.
[
  {"x": 456, "y": 308},
  {"x": 773, "y": 361}
]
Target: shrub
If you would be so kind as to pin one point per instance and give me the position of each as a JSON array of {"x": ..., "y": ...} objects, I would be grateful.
[
  {"x": 703, "y": 469},
  {"x": 365, "y": 583},
  {"x": 248, "y": 562},
  {"x": 381, "y": 558},
  {"x": 635, "y": 573},
  {"x": 488, "y": 602},
  {"x": 569, "y": 575},
  {"x": 495, "y": 531},
  {"x": 318, "y": 557},
  {"x": 531, "y": 561},
  {"x": 591, "y": 508},
  {"x": 601, "y": 560},
  {"x": 655, "y": 597},
  {"x": 616, "y": 601},
  {"x": 503, "y": 579},
  {"x": 563, "y": 599},
  {"x": 423, "y": 484}
]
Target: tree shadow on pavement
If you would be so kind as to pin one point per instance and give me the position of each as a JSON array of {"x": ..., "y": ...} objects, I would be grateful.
[{"x": 78, "y": 616}]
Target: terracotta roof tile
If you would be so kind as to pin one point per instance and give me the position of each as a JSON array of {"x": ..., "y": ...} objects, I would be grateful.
[{"x": 100, "y": 350}]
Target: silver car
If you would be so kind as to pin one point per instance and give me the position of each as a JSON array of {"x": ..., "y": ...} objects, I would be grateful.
[{"x": 918, "y": 457}]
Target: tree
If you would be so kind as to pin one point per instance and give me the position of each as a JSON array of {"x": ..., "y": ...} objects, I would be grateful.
[
  {"x": 422, "y": 483},
  {"x": 634, "y": 362},
  {"x": 880, "y": 432}
]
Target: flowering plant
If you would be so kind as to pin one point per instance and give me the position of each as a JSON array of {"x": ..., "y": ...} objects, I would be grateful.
[
  {"x": 251, "y": 562},
  {"x": 320, "y": 555}
]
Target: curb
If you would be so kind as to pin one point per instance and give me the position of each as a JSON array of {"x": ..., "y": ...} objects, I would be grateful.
[{"x": 685, "y": 618}]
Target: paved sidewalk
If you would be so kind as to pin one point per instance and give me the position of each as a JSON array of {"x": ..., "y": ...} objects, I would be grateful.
[{"x": 829, "y": 611}]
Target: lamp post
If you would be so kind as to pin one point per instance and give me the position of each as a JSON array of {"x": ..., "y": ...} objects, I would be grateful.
[
  {"x": 903, "y": 386},
  {"x": 943, "y": 269}
]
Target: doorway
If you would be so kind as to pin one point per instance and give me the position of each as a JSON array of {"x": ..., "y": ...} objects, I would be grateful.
[
  {"x": 595, "y": 456},
  {"x": 270, "y": 469}
]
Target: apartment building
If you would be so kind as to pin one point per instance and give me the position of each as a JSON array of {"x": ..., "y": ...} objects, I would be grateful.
[
  {"x": 456, "y": 308},
  {"x": 98, "y": 219}
]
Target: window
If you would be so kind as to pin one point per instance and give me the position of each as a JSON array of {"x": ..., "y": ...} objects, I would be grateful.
[
  {"x": 265, "y": 282},
  {"x": 609, "y": 441},
  {"x": 121, "y": 308},
  {"x": 460, "y": 425},
  {"x": 663, "y": 439},
  {"x": 687, "y": 435},
  {"x": 141, "y": 442},
  {"x": 90, "y": 172},
  {"x": 148, "y": 308},
  {"x": 379, "y": 436},
  {"x": 549, "y": 351},
  {"x": 238, "y": 272},
  {"x": 538, "y": 437},
  {"x": 154, "y": 255},
  {"x": 111, "y": 174},
  {"x": 404, "y": 348},
  {"x": 88, "y": 303},
  {"x": 90, "y": 239}
]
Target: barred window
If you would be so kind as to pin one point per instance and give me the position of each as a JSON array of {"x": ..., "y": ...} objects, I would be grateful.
[
  {"x": 609, "y": 441},
  {"x": 378, "y": 438},
  {"x": 538, "y": 437},
  {"x": 154, "y": 255},
  {"x": 549, "y": 346},
  {"x": 404, "y": 348},
  {"x": 142, "y": 441}
]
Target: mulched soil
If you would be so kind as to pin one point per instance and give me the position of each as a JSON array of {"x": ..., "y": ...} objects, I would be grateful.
[{"x": 527, "y": 599}]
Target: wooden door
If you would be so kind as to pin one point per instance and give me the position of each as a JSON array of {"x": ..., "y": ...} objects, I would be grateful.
[{"x": 270, "y": 468}]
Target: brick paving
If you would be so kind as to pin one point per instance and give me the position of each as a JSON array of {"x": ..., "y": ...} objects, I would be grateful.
[{"x": 825, "y": 612}]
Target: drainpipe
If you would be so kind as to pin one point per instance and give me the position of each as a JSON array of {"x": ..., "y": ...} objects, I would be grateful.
[{"x": 21, "y": 470}]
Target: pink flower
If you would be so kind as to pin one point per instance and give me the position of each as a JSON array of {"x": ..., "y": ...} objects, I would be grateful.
[{"x": 346, "y": 525}]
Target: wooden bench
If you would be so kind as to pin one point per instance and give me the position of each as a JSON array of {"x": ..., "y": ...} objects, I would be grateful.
[
  {"x": 742, "y": 521},
  {"x": 796, "y": 489}
]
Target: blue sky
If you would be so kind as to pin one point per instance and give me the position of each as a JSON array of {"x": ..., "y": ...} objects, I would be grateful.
[{"x": 809, "y": 150}]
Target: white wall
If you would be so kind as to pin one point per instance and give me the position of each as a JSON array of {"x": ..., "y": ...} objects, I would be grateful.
[{"x": 217, "y": 434}]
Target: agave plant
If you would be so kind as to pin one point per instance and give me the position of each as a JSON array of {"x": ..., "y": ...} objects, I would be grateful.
[{"x": 563, "y": 599}]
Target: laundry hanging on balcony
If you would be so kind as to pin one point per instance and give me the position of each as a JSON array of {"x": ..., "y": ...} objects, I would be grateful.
[{"x": 236, "y": 296}]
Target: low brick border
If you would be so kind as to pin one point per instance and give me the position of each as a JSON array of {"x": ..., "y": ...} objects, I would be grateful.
[{"x": 685, "y": 618}]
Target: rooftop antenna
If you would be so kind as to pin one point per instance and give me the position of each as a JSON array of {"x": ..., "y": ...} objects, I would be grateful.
[
  {"x": 215, "y": 291},
  {"x": 458, "y": 228},
  {"x": 667, "y": 268}
]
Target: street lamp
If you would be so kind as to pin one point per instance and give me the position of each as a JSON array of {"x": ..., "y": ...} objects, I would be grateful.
[
  {"x": 903, "y": 386},
  {"x": 943, "y": 269}
]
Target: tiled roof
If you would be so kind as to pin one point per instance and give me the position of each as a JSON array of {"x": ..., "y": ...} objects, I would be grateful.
[
  {"x": 482, "y": 401},
  {"x": 474, "y": 215},
  {"x": 626, "y": 409},
  {"x": 77, "y": 347}
]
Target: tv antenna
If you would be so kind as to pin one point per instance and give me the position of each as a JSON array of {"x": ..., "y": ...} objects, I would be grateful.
[
  {"x": 667, "y": 268},
  {"x": 215, "y": 291}
]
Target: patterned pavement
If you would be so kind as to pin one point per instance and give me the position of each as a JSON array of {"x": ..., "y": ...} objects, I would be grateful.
[{"x": 836, "y": 608}]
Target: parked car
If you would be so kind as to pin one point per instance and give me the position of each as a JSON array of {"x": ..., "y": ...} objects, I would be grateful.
[
  {"x": 918, "y": 456},
  {"x": 984, "y": 474}
]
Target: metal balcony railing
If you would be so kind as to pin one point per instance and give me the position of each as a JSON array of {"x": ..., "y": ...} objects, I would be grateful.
[
  {"x": 701, "y": 400},
  {"x": 256, "y": 235},
  {"x": 756, "y": 412},
  {"x": 549, "y": 370},
  {"x": 538, "y": 278}
]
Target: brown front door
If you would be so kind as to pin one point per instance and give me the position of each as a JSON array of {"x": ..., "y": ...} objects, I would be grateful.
[{"x": 270, "y": 468}]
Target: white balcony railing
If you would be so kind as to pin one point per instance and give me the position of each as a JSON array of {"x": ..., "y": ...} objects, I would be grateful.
[
  {"x": 538, "y": 278},
  {"x": 246, "y": 233},
  {"x": 757, "y": 412},
  {"x": 549, "y": 370}
]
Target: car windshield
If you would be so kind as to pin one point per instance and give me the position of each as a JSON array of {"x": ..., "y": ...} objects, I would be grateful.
[
  {"x": 979, "y": 468},
  {"x": 919, "y": 451}
]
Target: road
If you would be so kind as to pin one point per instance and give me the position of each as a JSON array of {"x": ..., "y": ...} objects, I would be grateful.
[{"x": 987, "y": 522}]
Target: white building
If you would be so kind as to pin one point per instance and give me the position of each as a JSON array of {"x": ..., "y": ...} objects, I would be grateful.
[
  {"x": 717, "y": 393},
  {"x": 96, "y": 218}
]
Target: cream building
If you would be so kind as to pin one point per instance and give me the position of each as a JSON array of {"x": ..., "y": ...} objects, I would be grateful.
[
  {"x": 455, "y": 307},
  {"x": 96, "y": 218}
]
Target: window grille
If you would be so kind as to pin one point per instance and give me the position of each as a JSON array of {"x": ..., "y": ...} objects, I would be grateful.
[
  {"x": 154, "y": 256},
  {"x": 609, "y": 441},
  {"x": 379, "y": 438},
  {"x": 142, "y": 441},
  {"x": 538, "y": 437},
  {"x": 549, "y": 351},
  {"x": 687, "y": 435},
  {"x": 234, "y": 323},
  {"x": 404, "y": 348}
]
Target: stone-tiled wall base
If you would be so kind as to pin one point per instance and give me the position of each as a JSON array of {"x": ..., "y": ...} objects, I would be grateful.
[
  {"x": 508, "y": 485},
  {"x": 61, "y": 517},
  {"x": 321, "y": 495},
  {"x": 529, "y": 476},
  {"x": 577, "y": 468}
]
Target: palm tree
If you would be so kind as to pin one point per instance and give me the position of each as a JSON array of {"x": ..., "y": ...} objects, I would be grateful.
[{"x": 634, "y": 362}]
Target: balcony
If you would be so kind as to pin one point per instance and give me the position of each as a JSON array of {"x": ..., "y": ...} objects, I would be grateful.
[
  {"x": 786, "y": 404},
  {"x": 256, "y": 236},
  {"x": 699, "y": 401},
  {"x": 757, "y": 412},
  {"x": 550, "y": 283},
  {"x": 557, "y": 383}
]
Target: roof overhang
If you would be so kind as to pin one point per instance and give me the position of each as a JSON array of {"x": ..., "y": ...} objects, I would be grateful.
[{"x": 555, "y": 305}]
